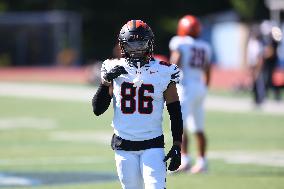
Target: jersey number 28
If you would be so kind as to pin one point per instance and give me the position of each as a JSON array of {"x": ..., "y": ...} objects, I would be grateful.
[
  {"x": 197, "y": 57},
  {"x": 128, "y": 100}
]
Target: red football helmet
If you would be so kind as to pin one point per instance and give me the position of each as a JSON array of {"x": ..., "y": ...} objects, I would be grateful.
[{"x": 189, "y": 25}]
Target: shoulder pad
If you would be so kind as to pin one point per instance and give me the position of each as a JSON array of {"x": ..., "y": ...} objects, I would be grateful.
[
  {"x": 171, "y": 71},
  {"x": 175, "y": 74}
]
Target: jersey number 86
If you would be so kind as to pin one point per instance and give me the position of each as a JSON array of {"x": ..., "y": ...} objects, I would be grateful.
[{"x": 128, "y": 94}]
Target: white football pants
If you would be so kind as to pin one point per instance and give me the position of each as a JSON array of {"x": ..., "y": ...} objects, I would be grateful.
[
  {"x": 141, "y": 169},
  {"x": 192, "y": 98}
]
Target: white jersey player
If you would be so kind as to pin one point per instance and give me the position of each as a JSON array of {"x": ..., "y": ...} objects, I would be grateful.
[
  {"x": 139, "y": 86},
  {"x": 138, "y": 96},
  {"x": 193, "y": 56}
]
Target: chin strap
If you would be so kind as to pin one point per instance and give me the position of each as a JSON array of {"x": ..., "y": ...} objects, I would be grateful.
[{"x": 142, "y": 60}]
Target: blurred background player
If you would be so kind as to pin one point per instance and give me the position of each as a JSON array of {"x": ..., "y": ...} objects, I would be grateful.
[
  {"x": 272, "y": 36},
  {"x": 255, "y": 60},
  {"x": 193, "y": 56}
]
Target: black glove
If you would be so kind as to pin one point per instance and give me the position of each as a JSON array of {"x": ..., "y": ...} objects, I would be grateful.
[
  {"x": 175, "y": 156},
  {"x": 114, "y": 73}
]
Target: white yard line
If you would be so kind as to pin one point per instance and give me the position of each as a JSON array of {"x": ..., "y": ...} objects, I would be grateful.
[
  {"x": 46, "y": 91},
  {"x": 242, "y": 105},
  {"x": 15, "y": 181},
  {"x": 81, "y": 136},
  {"x": 267, "y": 158},
  {"x": 92, "y": 159},
  {"x": 9, "y": 123}
]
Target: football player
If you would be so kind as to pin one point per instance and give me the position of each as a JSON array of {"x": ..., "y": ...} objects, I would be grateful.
[
  {"x": 139, "y": 85},
  {"x": 193, "y": 56}
]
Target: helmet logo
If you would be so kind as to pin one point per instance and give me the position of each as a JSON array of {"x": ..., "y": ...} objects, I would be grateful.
[
  {"x": 133, "y": 24},
  {"x": 134, "y": 37}
]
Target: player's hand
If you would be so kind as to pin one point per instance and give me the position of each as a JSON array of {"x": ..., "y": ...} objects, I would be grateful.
[
  {"x": 114, "y": 73},
  {"x": 175, "y": 156}
]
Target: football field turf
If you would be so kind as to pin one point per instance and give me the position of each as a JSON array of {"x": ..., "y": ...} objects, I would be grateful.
[{"x": 59, "y": 144}]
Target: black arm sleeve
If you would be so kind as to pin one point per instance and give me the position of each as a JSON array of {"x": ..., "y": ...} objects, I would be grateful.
[
  {"x": 101, "y": 100},
  {"x": 176, "y": 120}
]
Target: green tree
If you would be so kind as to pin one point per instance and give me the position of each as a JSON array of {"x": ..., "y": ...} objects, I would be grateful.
[{"x": 249, "y": 10}]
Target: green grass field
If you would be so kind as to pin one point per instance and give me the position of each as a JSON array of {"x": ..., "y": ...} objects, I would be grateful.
[{"x": 53, "y": 136}]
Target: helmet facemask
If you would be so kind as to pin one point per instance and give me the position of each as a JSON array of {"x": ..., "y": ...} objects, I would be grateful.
[{"x": 137, "y": 51}]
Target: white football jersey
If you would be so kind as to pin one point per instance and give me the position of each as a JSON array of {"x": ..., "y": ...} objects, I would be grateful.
[
  {"x": 138, "y": 98},
  {"x": 195, "y": 54}
]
